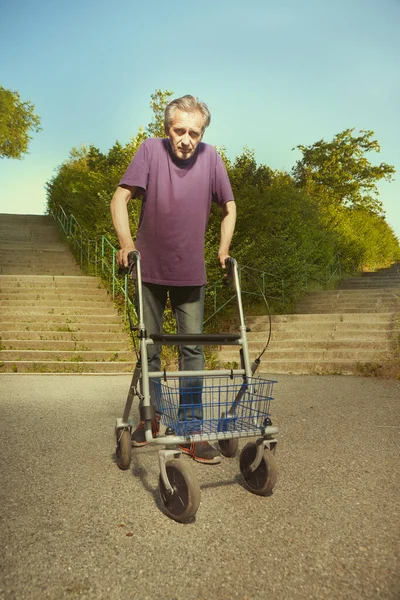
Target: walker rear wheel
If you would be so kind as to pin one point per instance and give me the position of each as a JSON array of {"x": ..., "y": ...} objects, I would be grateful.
[
  {"x": 263, "y": 479},
  {"x": 228, "y": 448},
  {"x": 184, "y": 501},
  {"x": 124, "y": 448}
]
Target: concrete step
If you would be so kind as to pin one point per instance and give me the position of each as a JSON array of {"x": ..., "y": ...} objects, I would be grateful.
[
  {"x": 369, "y": 283},
  {"x": 46, "y": 240},
  {"x": 52, "y": 291},
  {"x": 67, "y": 355},
  {"x": 358, "y": 354},
  {"x": 42, "y": 271},
  {"x": 62, "y": 280},
  {"x": 60, "y": 311},
  {"x": 10, "y": 219},
  {"x": 52, "y": 299},
  {"x": 68, "y": 345},
  {"x": 328, "y": 317},
  {"x": 32, "y": 241},
  {"x": 359, "y": 294},
  {"x": 337, "y": 305},
  {"x": 310, "y": 367},
  {"x": 43, "y": 255},
  {"x": 358, "y": 298},
  {"x": 380, "y": 275},
  {"x": 112, "y": 324},
  {"x": 347, "y": 344},
  {"x": 50, "y": 288},
  {"x": 379, "y": 305},
  {"x": 361, "y": 301},
  {"x": 50, "y": 241},
  {"x": 310, "y": 334},
  {"x": 389, "y": 271},
  {"x": 49, "y": 367},
  {"x": 97, "y": 302},
  {"x": 7, "y": 336},
  {"x": 343, "y": 322},
  {"x": 349, "y": 310},
  {"x": 54, "y": 261}
]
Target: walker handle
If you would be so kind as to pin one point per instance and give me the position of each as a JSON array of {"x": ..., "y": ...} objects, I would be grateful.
[
  {"x": 230, "y": 263},
  {"x": 133, "y": 258}
]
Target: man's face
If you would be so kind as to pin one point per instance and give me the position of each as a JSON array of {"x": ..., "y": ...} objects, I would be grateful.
[{"x": 185, "y": 133}]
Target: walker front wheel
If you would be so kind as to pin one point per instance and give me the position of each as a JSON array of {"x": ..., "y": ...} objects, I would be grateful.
[
  {"x": 124, "y": 448},
  {"x": 228, "y": 448},
  {"x": 263, "y": 479},
  {"x": 184, "y": 501}
]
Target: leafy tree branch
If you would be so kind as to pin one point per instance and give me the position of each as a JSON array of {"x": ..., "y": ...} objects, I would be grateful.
[{"x": 17, "y": 120}]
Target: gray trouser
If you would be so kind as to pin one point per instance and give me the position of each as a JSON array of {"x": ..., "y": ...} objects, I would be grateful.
[{"x": 187, "y": 304}]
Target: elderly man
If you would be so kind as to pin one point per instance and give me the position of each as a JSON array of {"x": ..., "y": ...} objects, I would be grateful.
[{"x": 177, "y": 178}]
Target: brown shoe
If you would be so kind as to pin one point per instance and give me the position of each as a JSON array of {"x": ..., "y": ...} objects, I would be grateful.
[{"x": 201, "y": 452}]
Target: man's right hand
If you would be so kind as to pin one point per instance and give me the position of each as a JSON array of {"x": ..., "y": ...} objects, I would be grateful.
[{"x": 122, "y": 255}]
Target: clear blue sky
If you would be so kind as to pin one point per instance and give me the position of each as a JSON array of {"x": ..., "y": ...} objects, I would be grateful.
[{"x": 275, "y": 73}]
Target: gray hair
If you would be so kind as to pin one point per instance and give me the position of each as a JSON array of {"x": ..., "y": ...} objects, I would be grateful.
[{"x": 188, "y": 104}]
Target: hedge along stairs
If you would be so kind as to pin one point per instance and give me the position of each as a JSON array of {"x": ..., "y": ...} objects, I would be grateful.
[
  {"x": 351, "y": 330},
  {"x": 54, "y": 319}
]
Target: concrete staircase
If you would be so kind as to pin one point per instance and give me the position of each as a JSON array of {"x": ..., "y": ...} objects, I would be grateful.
[
  {"x": 30, "y": 244},
  {"x": 53, "y": 319},
  {"x": 350, "y": 330}
]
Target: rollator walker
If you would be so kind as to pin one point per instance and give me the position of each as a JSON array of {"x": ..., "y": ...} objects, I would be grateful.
[{"x": 235, "y": 404}]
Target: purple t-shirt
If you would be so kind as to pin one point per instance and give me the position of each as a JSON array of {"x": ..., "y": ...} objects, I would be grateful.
[{"x": 176, "y": 204}]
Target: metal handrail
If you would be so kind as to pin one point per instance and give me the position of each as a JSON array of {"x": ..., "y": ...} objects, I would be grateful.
[
  {"x": 97, "y": 257},
  {"x": 213, "y": 289},
  {"x": 86, "y": 251},
  {"x": 334, "y": 267}
]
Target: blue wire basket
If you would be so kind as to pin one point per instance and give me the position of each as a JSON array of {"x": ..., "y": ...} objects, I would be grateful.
[{"x": 192, "y": 406}]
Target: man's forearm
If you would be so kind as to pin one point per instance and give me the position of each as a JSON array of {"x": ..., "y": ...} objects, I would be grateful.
[
  {"x": 227, "y": 228},
  {"x": 120, "y": 217}
]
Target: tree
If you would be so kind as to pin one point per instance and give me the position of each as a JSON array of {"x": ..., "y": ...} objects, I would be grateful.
[
  {"x": 17, "y": 120},
  {"x": 339, "y": 174},
  {"x": 158, "y": 103},
  {"x": 290, "y": 229}
]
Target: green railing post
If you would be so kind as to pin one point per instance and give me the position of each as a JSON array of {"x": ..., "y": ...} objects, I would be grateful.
[
  {"x": 102, "y": 255},
  {"x": 113, "y": 271}
]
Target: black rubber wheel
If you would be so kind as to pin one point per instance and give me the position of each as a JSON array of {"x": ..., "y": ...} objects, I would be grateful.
[
  {"x": 228, "y": 448},
  {"x": 263, "y": 479},
  {"x": 124, "y": 448},
  {"x": 183, "y": 503}
]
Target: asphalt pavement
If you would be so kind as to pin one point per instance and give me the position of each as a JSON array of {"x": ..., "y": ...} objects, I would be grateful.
[{"x": 74, "y": 526}]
